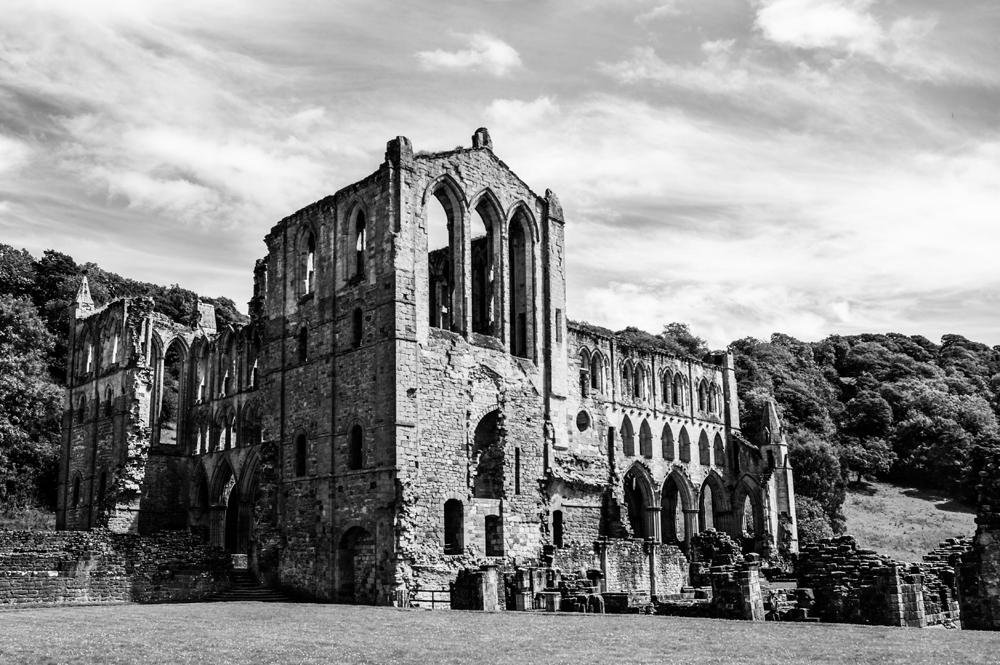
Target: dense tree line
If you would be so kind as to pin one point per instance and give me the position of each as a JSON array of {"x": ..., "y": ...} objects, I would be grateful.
[
  {"x": 888, "y": 406},
  {"x": 35, "y": 299}
]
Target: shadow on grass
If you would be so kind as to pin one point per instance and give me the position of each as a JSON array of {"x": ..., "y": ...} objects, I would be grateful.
[
  {"x": 941, "y": 500},
  {"x": 862, "y": 487}
]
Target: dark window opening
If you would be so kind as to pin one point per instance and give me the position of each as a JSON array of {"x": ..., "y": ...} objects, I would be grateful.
[
  {"x": 81, "y": 411},
  {"x": 583, "y": 421},
  {"x": 360, "y": 243},
  {"x": 300, "y": 455},
  {"x": 494, "y": 536},
  {"x": 557, "y": 528},
  {"x": 454, "y": 527},
  {"x": 76, "y": 491},
  {"x": 355, "y": 455},
  {"x": 303, "y": 349}
]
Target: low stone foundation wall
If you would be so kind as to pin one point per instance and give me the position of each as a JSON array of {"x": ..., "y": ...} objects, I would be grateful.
[
  {"x": 102, "y": 567},
  {"x": 854, "y": 585}
]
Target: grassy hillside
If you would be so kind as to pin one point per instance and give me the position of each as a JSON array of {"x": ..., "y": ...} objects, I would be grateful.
[{"x": 903, "y": 522}]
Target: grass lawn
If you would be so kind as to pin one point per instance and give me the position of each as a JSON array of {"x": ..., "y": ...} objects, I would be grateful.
[
  {"x": 301, "y": 633},
  {"x": 903, "y": 522}
]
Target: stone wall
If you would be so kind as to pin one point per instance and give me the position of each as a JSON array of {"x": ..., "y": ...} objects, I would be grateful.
[
  {"x": 979, "y": 571},
  {"x": 105, "y": 567},
  {"x": 854, "y": 585}
]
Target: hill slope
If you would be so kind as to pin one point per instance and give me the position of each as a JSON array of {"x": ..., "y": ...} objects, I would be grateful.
[{"x": 904, "y": 522}]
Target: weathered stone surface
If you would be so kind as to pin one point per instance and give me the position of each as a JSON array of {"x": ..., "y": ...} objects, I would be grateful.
[{"x": 395, "y": 412}]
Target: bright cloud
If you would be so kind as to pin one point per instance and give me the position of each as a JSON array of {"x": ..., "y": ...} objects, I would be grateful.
[
  {"x": 810, "y": 24},
  {"x": 484, "y": 53}
]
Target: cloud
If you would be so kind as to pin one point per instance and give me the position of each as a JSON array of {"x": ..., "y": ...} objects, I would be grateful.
[
  {"x": 661, "y": 11},
  {"x": 509, "y": 115},
  {"x": 13, "y": 154},
  {"x": 485, "y": 53},
  {"x": 811, "y": 24}
]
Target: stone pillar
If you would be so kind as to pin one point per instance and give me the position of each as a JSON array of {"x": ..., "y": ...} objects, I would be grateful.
[
  {"x": 690, "y": 526},
  {"x": 649, "y": 547},
  {"x": 652, "y": 517},
  {"x": 601, "y": 546}
]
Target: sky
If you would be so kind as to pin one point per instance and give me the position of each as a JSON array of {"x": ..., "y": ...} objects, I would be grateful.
[{"x": 807, "y": 167}]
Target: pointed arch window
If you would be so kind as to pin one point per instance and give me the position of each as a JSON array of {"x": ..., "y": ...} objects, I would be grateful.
[
  {"x": 360, "y": 243},
  {"x": 521, "y": 289},
  {"x": 678, "y": 391},
  {"x": 597, "y": 372}
]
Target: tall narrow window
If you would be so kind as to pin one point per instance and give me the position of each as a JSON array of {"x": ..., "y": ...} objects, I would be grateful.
[
  {"x": 454, "y": 527},
  {"x": 109, "y": 402},
  {"x": 358, "y": 327},
  {"x": 303, "y": 345},
  {"x": 521, "y": 289},
  {"x": 559, "y": 326},
  {"x": 81, "y": 410},
  {"x": 628, "y": 438},
  {"x": 517, "y": 471},
  {"x": 645, "y": 440},
  {"x": 360, "y": 242},
  {"x": 596, "y": 371},
  {"x": 309, "y": 269},
  {"x": 684, "y": 444},
  {"x": 678, "y": 392},
  {"x": 76, "y": 490},
  {"x": 356, "y": 455},
  {"x": 485, "y": 218},
  {"x": 443, "y": 237},
  {"x": 300, "y": 455},
  {"x": 557, "y": 528}
]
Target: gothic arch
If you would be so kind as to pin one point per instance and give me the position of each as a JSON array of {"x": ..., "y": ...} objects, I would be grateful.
[
  {"x": 677, "y": 499},
  {"x": 521, "y": 208},
  {"x": 223, "y": 483},
  {"x": 717, "y": 515},
  {"x": 637, "y": 485},
  {"x": 747, "y": 507}
]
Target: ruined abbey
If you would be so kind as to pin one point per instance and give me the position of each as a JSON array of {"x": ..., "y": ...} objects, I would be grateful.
[{"x": 410, "y": 399}]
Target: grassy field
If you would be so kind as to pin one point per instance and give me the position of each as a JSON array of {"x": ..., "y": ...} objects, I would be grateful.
[
  {"x": 903, "y": 522},
  {"x": 300, "y": 633}
]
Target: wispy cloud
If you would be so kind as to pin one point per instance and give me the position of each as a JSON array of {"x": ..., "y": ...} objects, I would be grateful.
[
  {"x": 485, "y": 53},
  {"x": 658, "y": 12}
]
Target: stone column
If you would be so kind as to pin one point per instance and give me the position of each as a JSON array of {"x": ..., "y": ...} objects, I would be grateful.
[
  {"x": 690, "y": 526},
  {"x": 652, "y": 517}
]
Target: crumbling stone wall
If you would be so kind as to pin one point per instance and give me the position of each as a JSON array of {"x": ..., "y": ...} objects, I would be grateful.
[
  {"x": 105, "y": 567},
  {"x": 854, "y": 585},
  {"x": 979, "y": 570}
]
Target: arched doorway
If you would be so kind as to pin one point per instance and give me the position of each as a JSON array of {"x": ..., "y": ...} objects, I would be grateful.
[
  {"x": 487, "y": 453},
  {"x": 356, "y": 567},
  {"x": 748, "y": 525},
  {"x": 638, "y": 494},
  {"x": 676, "y": 501}
]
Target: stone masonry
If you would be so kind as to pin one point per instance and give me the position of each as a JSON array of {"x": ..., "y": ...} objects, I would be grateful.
[{"x": 409, "y": 400}]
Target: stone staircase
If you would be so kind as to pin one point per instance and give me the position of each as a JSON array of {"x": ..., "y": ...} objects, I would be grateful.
[{"x": 246, "y": 588}]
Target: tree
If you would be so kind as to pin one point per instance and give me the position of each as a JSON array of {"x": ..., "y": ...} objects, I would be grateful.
[
  {"x": 678, "y": 336},
  {"x": 818, "y": 476},
  {"x": 871, "y": 457},
  {"x": 30, "y": 408}
]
